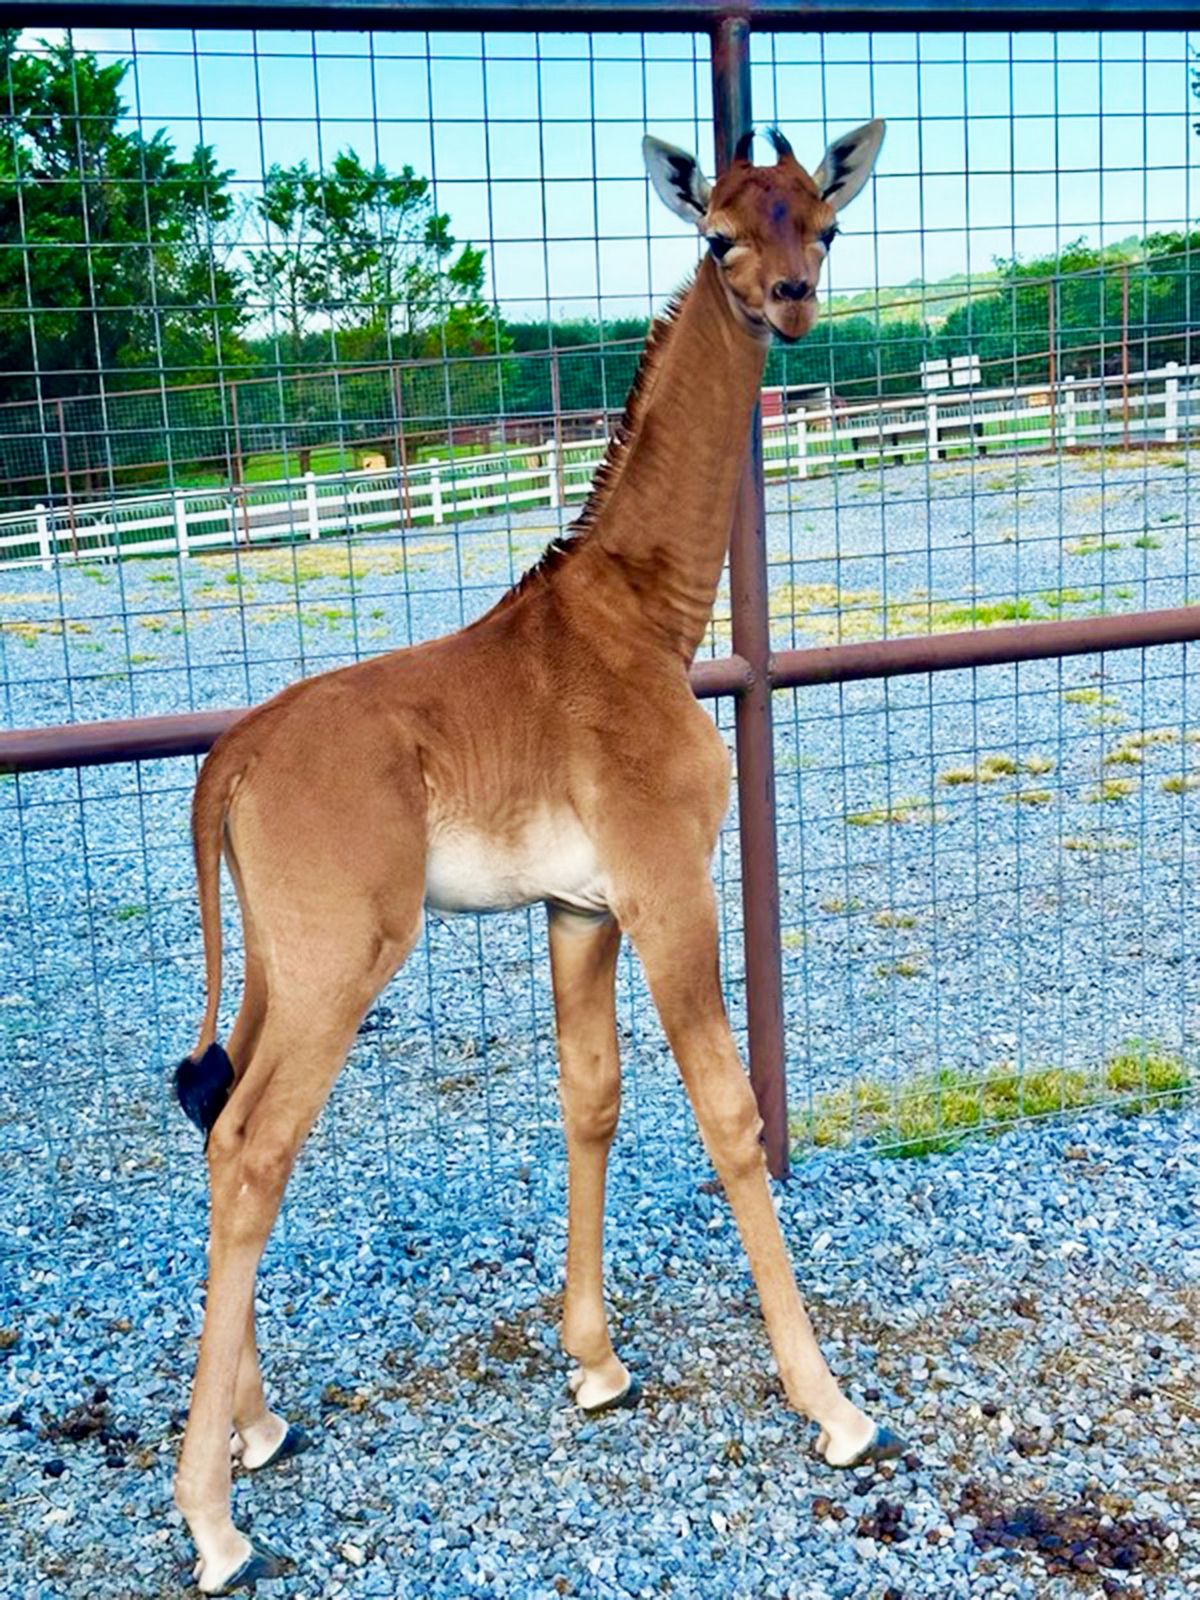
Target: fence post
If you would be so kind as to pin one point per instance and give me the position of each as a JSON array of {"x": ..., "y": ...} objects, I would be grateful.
[
  {"x": 1070, "y": 428},
  {"x": 310, "y": 503},
  {"x": 181, "y": 526},
  {"x": 1171, "y": 404},
  {"x": 752, "y": 640},
  {"x": 45, "y": 548},
  {"x": 435, "y": 491},
  {"x": 552, "y": 466},
  {"x": 802, "y": 443},
  {"x": 931, "y": 428}
]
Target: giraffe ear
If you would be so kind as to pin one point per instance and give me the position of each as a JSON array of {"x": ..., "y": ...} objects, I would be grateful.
[
  {"x": 847, "y": 164},
  {"x": 677, "y": 179}
]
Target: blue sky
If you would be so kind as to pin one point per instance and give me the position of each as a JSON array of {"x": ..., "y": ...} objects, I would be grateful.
[{"x": 996, "y": 143}]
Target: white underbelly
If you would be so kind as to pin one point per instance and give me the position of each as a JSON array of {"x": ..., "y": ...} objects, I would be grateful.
[{"x": 553, "y": 859}]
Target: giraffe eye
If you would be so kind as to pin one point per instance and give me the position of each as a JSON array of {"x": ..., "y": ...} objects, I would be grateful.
[
  {"x": 830, "y": 235},
  {"x": 720, "y": 244}
]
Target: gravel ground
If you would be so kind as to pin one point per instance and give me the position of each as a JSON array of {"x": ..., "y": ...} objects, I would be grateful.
[
  {"x": 1007, "y": 1301},
  {"x": 1025, "y": 1310}
]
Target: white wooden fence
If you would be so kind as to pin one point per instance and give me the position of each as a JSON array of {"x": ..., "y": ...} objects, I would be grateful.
[{"x": 1159, "y": 406}]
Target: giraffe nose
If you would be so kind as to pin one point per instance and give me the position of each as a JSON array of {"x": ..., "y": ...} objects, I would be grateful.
[{"x": 791, "y": 289}]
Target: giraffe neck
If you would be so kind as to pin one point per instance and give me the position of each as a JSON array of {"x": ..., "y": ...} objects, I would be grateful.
[{"x": 659, "y": 539}]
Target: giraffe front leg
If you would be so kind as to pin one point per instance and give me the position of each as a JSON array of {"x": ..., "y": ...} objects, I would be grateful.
[
  {"x": 676, "y": 938},
  {"x": 583, "y": 957}
]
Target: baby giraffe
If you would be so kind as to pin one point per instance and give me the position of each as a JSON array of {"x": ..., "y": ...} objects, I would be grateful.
[{"x": 551, "y": 751}]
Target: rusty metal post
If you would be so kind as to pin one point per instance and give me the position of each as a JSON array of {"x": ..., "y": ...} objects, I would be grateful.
[
  {"x": 66, "y": 472},
  {"x": 1124, "y": 360},
  {"x": 1052, "y": 358},
  {"x": 752, "y": 640},
  {"x": 556, "y": 407},
  {"x": 401, "y": 447}
]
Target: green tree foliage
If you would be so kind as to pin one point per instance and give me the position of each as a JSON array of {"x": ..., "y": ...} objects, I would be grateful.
[
  {"x": 1133, "y": 302},
  {"x": 113, "y": 253},
  {"x": 358, "y": 260}
]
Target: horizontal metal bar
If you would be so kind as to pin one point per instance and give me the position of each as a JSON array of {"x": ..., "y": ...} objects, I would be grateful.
[
  {"x": 99, "y": 744},
  {"x": 191, "y": 733},
  {"x": 983, "y": 647},
  {"x": 623, "y": 16},
  {"x": 92, "y": 744}
]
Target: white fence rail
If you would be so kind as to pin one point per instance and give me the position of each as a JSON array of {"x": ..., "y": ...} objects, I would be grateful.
[{"x": 1161, "y": 406}]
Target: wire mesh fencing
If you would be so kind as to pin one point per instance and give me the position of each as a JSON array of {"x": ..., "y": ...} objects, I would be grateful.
[{"x": 318, "y": 359}]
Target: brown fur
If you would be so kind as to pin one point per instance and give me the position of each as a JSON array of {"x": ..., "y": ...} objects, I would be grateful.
[{"x": 555, "y": 735}]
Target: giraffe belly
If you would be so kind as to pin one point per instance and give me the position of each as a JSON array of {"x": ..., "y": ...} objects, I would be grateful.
[{"x": 551, "y": 859}]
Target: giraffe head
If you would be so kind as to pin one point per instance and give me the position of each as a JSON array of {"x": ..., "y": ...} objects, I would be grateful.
[{"x": 767, "y": 228}]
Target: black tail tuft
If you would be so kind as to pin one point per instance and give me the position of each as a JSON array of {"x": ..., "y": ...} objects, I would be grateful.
[{"x": 202, "y": 1087}]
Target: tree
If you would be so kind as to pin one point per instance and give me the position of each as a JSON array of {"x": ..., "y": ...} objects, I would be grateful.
[
  {"x": 359, "y": 254},
  {"x": 113, "y": 245}
]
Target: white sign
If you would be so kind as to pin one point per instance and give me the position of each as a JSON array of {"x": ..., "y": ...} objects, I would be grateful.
[{"x": 959, "y": 372}]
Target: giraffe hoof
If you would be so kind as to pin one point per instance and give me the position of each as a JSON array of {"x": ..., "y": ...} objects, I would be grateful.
[
  {"x": 259, "y": 1567},
  {"x": 294, "y": 1443},
  {"x": 625, "y": 1401},
  {"x": 883, "y": 1445}
]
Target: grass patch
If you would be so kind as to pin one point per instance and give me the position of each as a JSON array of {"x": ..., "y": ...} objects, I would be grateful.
[
  {"x": 1057, "y": 598},
  {"x": 1181, "y": 783},
  {"x": 985, "y": 616},
  {"x": 1123, "y": 756},
  {"x": 894, "y": 919},
  {"x": 1089, "y": 697},
  {"x": 1030, "y": 797},
  {"x": 1037, "y": 764},
  {"x": 1109, "y": 790},
  {"x": 1091, "y": 547},
  {"x": 1146, "y": 737},
  {"x": 899, "y": 813},
  {"x": 1146, "y": 542},
  {"x": 989, "y": 770},
  {"x": 128, "y": 913},
  {"x": 934, "y": 1112},
  {"x": 308, "y": 562},
  {"x": 906, "y": 967},
  {"x": 793, "y": 939},
  {"x": 1096, "y": 843}
]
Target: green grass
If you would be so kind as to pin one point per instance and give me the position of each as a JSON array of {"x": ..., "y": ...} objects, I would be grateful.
[
  {"x": 1147, "y": 543},
  {"x": 1091, "y": 547},
  {"x": 1030, "y": 797},
  {"x": 899, "y": 812},
  {"x": 1110, "y": 790},
  {"x": 989, "y": 770},
  {"x": 987, "y": 615},
  {"x": 1057, "y": 598},
  {"x": 128, "y": 913},
  {"x": 1096, "y": 843},
  {"x": 906, "y": 967},
  {"x": 1037, "y": 764},
  {"x": 1181, "y": 783},
  {"x": 894, "y": 919},
  {"x": 934, "y": 1112},
  {"x": 1089, "y": 697}
]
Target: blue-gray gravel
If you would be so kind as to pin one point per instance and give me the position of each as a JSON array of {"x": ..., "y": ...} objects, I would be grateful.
[
  {"x": 1005, "y": 1300},
  {"x": 1024, "y": 1308}
]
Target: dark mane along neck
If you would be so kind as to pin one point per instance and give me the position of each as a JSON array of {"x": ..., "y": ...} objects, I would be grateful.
[{"x": 616, "y": 455}]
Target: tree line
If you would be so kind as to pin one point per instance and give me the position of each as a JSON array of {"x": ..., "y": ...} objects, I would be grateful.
[
  {"x": 125, "y": 258},
  {"x": 133, "y": 261}
]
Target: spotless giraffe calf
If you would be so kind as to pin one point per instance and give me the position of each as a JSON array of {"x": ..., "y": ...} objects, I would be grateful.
[{"x": 551, "y": 751}]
